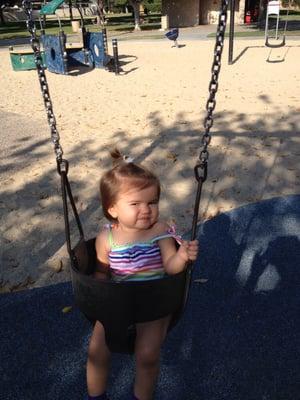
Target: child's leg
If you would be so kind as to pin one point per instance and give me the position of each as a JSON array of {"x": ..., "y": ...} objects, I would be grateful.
[
  {"x": 101, "y": 397},
  {"x": 150, "y": 336},
  {"x": 98, "y": 362}
]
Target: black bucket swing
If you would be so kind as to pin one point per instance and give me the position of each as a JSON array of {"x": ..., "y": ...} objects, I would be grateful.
[{"x": 120, "y": 305}]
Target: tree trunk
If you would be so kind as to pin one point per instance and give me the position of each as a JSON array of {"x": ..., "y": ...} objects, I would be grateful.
[
  {"x": 70, "y": 10},
  {"x": 100, "y": 13},
  {"x": 262, "y": 12},
  {"x": 136, "y": 8},
  {"x": 2, "y": 20}
]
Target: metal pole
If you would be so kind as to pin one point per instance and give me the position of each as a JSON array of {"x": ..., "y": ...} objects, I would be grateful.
[
  {"x": 70, "y": 10},
  {"x": 116, "y": 56},
  {"x": 231, "y": 31},
  {"x": 277, "y": 24},
  {"x": 104, "y": 33}
]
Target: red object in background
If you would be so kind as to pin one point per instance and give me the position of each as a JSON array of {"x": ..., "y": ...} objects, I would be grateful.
[{"x": 248, "y": 18}]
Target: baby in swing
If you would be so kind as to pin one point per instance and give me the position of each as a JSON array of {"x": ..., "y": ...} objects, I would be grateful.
[{"x": 135, "y": 246}]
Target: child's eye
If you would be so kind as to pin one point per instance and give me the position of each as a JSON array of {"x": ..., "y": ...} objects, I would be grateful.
[
  {"x": 153, "y": 202},
  {"x": 133, "y": 204}
]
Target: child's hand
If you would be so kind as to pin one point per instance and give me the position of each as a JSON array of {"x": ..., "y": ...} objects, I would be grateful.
[{"x": 188, "y": 250}]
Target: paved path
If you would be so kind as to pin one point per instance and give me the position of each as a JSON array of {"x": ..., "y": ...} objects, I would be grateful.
[{"x": 195, "y": 33}]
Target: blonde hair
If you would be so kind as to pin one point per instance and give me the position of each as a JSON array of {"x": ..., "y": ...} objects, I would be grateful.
[{"x": 124, "y": 171}]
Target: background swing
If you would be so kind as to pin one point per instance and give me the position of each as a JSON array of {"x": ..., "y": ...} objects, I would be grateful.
[
  {"x": 100, "y": 300},
  {"x": 273, "y": 11}
]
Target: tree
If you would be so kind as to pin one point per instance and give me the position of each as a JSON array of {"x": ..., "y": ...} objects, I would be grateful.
[
  {"x": 3, "y": 4},
  {"x": 99, "y": 6},
  {"x": 152, "y": 5},
  {"x": 136, "y": 9},
  {"x": 2, "y": 21}
]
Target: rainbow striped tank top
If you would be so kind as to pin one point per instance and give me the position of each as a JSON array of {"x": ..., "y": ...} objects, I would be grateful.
[{"x": 137, "y": 261}]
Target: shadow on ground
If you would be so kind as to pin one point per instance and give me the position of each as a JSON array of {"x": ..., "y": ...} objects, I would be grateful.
[
  {"x": 238, "y": 338},
  {"x": 32, "y": 223}
]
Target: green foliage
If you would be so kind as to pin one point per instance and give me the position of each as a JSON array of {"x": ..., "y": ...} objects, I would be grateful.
[
  {"x": 8, "y": 3},
  {"x": 120, "y": 3},
  {"x": 291, "y": 3},
  {"x": 153, "y": 6}
]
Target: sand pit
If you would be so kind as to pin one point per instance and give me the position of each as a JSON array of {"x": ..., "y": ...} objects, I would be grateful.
[{"x": 153, "y": 111}]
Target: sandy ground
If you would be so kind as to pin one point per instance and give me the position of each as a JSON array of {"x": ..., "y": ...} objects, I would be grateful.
[{"x": 153, "y": 111}]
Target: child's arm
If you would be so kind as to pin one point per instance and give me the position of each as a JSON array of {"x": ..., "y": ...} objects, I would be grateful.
[
  {"x": 174, "y": 260},
  {"x": 102, "y": 267}
]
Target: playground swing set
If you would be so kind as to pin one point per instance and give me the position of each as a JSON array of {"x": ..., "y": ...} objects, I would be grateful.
[
  {"x": 120, "y": 305},
  {"x": 60, "y": 55},
  {"x": 273, "y": 12}
]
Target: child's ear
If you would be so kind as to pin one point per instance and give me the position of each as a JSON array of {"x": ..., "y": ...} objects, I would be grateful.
[{"x": 112, "y": 211}]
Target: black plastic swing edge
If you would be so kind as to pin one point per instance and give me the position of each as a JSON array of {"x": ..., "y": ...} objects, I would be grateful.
[
  {"x": 274, "y": 46},
  {"x": 120, "y": 305}
]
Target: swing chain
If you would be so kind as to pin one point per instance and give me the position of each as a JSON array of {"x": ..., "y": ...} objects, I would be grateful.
[
  {"x": 213, "y": 88},
  {"x": 35, "y": 44}
]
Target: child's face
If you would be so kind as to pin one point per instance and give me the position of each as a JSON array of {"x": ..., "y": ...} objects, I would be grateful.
[{"x": 136, "y": 209}]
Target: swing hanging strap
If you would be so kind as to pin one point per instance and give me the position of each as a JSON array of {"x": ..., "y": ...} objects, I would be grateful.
[
  {"x": 67, "y": 197},
  {"x": 200, "y": 168},
  {"x": 35, "y": 44},
  {"x": 62, "y": 164}
]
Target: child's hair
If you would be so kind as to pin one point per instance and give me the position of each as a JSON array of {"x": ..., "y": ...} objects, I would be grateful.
[{"x": 124, "y": 172}]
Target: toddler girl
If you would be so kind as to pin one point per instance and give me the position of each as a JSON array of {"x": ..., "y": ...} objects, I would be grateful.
[{"x": 136, "y": 246}]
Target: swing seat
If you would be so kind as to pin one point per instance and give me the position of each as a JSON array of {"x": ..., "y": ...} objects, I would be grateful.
[
  {"x": 273, "y": 9},
  {"x": 120, "y": 305},
  {"x": 275, "y": 45},
  {"x": 172, "y": 34}
]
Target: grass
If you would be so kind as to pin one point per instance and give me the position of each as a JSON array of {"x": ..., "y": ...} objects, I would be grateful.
[
  {"x": 257, "y": 33},
  {"x": 117, "y": 23},
  {"x": 293, "y": 26},
  {"x": 290, "y": 15},
  {"x": 124, "y": 23}
]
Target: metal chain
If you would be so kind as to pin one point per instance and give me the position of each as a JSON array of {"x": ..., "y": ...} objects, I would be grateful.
[
  {"x": 35, "y": 44},
  {"x": 213, "y": 86}
]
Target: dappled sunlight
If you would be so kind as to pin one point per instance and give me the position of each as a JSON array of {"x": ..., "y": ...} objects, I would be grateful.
[
  {"x": 244, "y": 268},
  {"x": 239, "y": 328},
  {"x": 238, "y": 174},
  {"x": 154, "y": 114},
  {"x": 268, "y": 280}
]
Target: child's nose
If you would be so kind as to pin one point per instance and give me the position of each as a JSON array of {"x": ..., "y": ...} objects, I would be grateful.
[{"x": 146, "y": 208}]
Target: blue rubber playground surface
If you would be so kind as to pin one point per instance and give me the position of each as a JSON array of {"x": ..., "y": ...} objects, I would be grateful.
[{"x": 239, "y": 338}]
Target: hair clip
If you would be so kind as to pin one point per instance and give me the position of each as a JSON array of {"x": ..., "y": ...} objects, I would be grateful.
[{"x": 128, "y": 159}]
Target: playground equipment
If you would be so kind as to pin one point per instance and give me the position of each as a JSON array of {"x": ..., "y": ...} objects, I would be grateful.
[
  {"x": 61, "y": 56},
  {"x": 173, "y": 35},
  {"x": 120, "y": 305},
  {"x": 23, "y": 59},
  {"x": 273, "y": 10}
]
